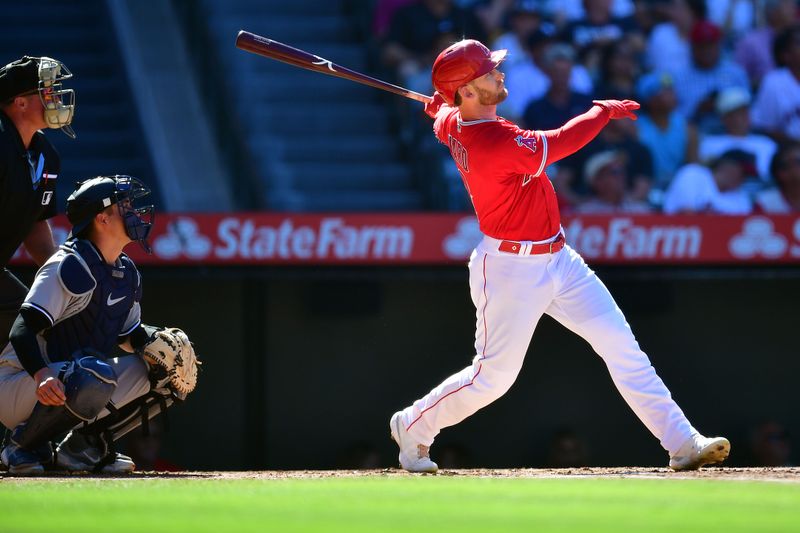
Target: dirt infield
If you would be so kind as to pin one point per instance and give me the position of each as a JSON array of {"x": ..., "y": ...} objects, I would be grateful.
[{"x": 783, "y": 474}]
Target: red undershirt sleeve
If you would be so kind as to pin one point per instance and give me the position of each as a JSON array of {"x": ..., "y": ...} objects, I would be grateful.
[{"x": 575, "y": 134}]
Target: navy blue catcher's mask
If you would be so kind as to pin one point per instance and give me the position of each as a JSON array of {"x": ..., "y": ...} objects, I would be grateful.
[
  {"x": 138, "y": 220},
  {"x": 96, "y": 194}
]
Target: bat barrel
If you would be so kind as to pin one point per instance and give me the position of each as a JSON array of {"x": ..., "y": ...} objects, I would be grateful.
[{"x": 265, "y": 47}]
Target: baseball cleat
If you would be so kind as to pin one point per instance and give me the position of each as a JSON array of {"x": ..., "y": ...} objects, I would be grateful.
[
  {"x": 77, "y": 454},
  {"x": 23, "y": 461},
  {"x": 414, "y": 457},
  {"x": 119, "y": 464},
  {"x": 700, "y": 451}
]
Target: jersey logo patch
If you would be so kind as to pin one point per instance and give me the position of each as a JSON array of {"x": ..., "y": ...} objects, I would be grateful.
[
  {"x": 527, "y": 142},
  {"x": 46, "y": 197},
  {"x": 111, "y": 301}
]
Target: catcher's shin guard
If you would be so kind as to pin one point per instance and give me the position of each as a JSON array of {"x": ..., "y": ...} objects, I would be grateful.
[
  {"x": 88, "y": 385},
  {"x": 134, "y": 414}
]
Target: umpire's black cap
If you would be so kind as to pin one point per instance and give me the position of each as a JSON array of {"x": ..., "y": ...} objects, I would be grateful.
[{"x": 19, "y": 77}]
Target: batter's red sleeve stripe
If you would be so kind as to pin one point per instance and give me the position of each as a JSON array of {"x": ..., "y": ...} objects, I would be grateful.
[{"x": 483, "y": 355}]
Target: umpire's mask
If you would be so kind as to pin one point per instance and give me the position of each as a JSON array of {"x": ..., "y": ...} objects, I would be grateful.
[
  {"x": 43, "y": 76},
  {"x": 59, "y": 104}
]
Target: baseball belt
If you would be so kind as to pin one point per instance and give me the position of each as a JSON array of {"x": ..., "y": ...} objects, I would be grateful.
[{"x": 518, "y": 248}]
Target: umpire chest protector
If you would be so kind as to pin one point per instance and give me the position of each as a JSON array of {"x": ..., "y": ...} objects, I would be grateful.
[
  {"x": 27, "y": 185},
  {"x": 103, "y": 296}
]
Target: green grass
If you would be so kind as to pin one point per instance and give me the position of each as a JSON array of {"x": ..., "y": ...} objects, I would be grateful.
[{"x": 397, "y": 503}]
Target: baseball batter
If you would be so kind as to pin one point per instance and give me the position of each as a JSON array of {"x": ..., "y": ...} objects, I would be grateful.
[{"x": 523, "y": 268}]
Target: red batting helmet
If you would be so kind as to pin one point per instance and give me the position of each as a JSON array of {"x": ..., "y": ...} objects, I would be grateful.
[{"x": 462, "y": 62}]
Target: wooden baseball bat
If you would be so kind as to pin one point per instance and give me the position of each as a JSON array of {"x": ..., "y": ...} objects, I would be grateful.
[{"x": 299, "y": 58}]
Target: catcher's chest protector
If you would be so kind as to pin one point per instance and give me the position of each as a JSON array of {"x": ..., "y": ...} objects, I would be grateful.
[{"x": 99, "y": 324}]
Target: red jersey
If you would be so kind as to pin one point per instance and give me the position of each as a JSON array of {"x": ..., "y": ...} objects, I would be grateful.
[{"x": 502, "y": 167}]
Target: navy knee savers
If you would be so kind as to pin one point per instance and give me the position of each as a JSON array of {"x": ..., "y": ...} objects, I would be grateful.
[{"x": 89, "y": 383}]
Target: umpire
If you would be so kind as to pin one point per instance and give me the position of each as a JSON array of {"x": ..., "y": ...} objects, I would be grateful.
[{"x": 31, "y": 99}]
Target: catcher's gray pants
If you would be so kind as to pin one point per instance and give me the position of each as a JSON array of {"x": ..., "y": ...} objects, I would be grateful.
[{"x": 18, "y": 390}]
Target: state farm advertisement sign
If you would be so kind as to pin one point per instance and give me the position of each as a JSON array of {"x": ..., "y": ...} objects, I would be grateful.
[{"x": 269, "y": 238}]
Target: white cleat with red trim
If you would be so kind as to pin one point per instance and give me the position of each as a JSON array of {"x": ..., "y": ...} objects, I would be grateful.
[
  {"x": 700, "y": 451},
  {"x": 414, "y": 457}
]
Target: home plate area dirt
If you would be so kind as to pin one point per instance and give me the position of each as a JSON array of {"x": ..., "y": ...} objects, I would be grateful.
[
  {"x": 782, "y": 474},
  {"x": 790, "y": 474}
]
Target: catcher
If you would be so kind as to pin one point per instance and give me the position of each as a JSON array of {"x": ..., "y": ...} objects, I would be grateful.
[{"x": 58, "y": 375}]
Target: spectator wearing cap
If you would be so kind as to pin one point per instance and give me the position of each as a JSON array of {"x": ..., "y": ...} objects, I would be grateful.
[
  {"x": 672, "y": 140},
  {"x": 784, "y": 196},
  {"x": 776, "y": 110},
  {"x": 733, "y": 108},
  {"x": 667, "y": 47},
  {"x": 708, "y": 73},
  {"x": 526, "y": 80},
  {"x": 608, "y": 185},
  {"x": 560, "y": 103},
  {"x": 754, "y": 50},
  {"x": 716, "y": 189}
]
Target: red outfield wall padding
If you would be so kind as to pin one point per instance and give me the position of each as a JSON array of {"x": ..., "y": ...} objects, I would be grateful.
[{"x": 430, "y": 239}]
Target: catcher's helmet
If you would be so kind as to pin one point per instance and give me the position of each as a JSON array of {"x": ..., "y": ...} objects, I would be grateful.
[
  {"x": 95, "y": 194},
  {"x": 44, "y": 75},
  {"x": 461, "y": 63}
]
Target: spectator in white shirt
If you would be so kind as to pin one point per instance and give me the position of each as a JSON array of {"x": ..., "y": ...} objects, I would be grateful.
[
  {"x": 700, "y": 189},
  {"x": 733, "y": 107},
  {"x": 606, "y": 176}
]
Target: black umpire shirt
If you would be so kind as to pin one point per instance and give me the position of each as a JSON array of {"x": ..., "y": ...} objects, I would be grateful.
[{"x": 27, "y": 185}]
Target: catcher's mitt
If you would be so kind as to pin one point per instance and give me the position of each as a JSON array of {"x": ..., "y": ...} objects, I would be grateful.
[{"x": 170, "y": 349}]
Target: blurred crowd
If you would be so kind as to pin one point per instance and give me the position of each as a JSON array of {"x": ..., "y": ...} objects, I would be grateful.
[{"x": 718, "y": 81}]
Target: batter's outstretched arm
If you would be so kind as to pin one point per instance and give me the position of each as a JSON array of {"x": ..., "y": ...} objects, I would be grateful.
[{"x": 579, "y": 131}]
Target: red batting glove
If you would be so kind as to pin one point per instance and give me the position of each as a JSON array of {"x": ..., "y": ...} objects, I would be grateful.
[
  {"x": 618, "y": 108},
  {"x": 432, "y": 107}
]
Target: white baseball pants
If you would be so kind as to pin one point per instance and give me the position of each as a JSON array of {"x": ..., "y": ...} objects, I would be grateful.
[{"x": 511, "y": 293}]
